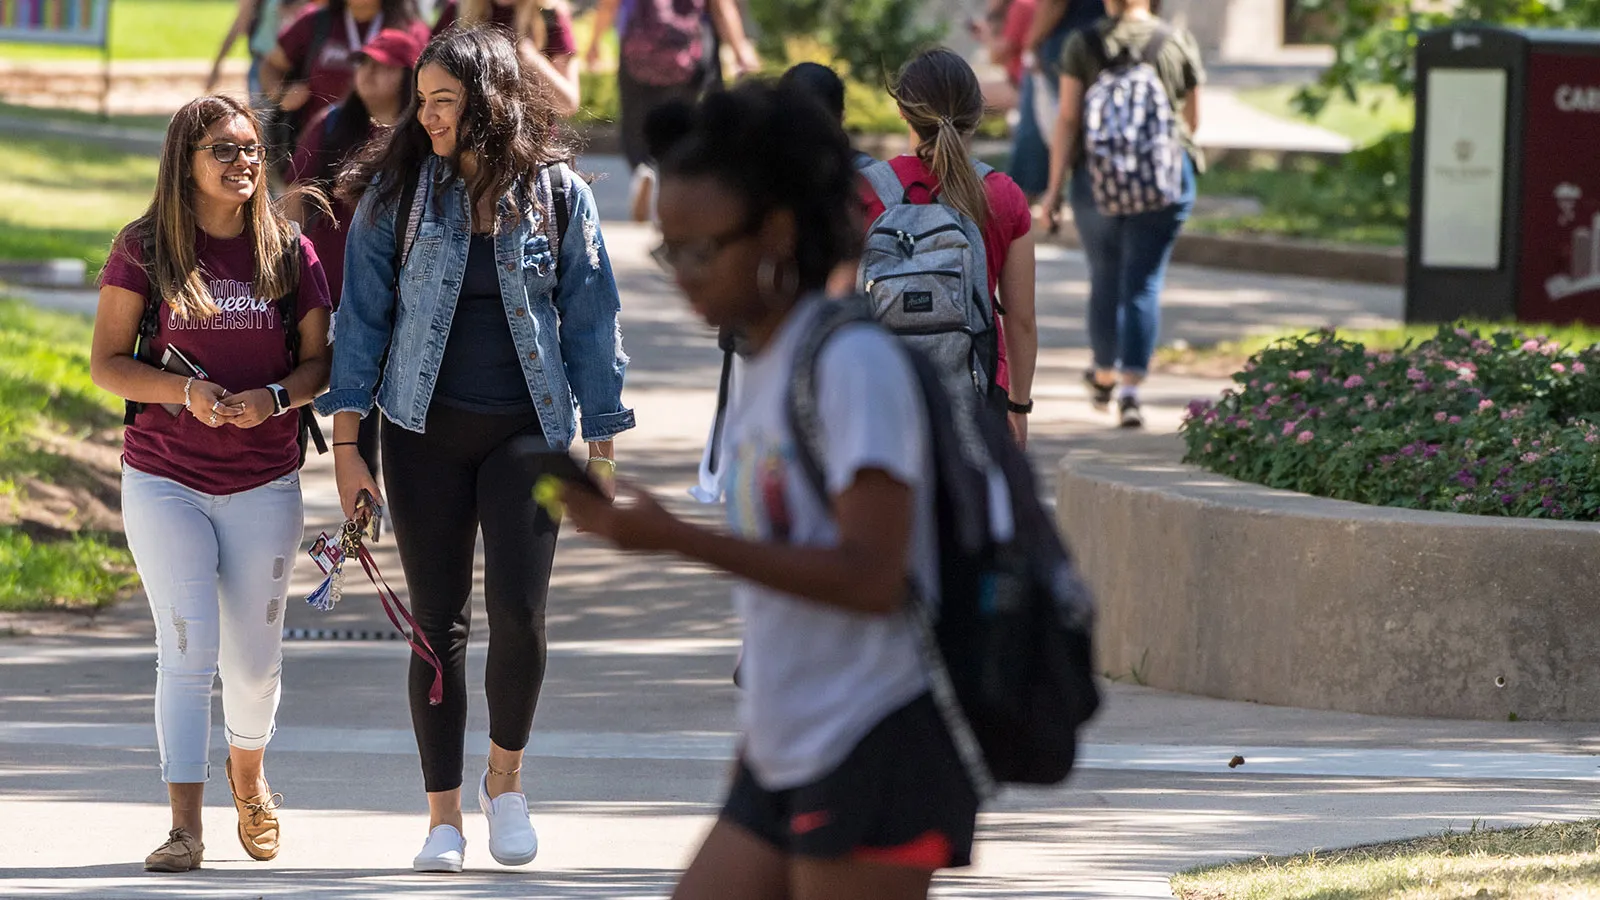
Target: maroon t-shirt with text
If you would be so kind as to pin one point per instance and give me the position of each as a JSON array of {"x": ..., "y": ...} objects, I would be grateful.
[
  {"x": 331, "y": 73},
  {"x": 558, "y": 40},
  {"x": 241, "y": 348}
]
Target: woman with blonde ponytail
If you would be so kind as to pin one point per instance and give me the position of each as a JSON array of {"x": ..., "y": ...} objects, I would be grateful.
[
  {"x": 940, "y": 98},
  {"x": 213, "y": 324}
]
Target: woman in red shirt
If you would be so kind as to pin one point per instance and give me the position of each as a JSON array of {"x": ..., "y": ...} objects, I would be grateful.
[
  {"x": 314, "y": 61},
  {"x": 545, "y": 44},
  {"x": 939, "y": 97},
  {"x": 210, "y": 485}
]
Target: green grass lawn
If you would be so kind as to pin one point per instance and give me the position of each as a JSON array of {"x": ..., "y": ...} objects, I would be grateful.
[
  {"x": 61, "y": 198},
  {"x": 1295, "y": 204},
  {"x": 150, "y": 29},
  {"x": 45, "y": 389},
  {"x": 73, "y": 116},
  {"x": 1550, "y": 862},
  {"x": 1376, "y": 112}
]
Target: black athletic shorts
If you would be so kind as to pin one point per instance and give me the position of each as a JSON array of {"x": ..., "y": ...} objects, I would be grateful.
[{"x": 902, "y": 797}]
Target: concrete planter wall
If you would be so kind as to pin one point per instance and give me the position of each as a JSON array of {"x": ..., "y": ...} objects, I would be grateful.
[{"x": 1215, "y": 587}]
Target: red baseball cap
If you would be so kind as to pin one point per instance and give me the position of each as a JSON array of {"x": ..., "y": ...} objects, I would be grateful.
[{"x": 396, "y": 47}]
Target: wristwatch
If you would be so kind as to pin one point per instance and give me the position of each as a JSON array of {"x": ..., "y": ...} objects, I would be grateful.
[
  {"x": 1020, "y": 409},
  {"x": 280, "y": 399}
]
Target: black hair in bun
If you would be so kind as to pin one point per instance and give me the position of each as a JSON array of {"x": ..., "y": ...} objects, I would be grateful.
[{"x": 777, "y": 148}]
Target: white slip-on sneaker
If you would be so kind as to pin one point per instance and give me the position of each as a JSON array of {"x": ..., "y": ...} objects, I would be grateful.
[
  {"x": 512, "y": 840},
  {"x": 443, "y": 852}
]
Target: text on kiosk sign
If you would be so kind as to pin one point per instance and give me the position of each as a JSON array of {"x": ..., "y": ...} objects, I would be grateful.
[{"x": 1574, "y": 98}]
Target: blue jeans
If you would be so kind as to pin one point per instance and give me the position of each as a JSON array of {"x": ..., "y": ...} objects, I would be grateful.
[{"x": 1128, "y": 258}]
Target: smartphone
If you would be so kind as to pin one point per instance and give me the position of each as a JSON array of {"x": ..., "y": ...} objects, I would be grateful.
[
  {"x": 542, "y": 459},
  {"x": 369, "y": 515}
]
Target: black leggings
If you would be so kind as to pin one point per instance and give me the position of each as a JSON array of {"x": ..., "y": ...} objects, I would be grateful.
[{"x": 441, "y": 485}]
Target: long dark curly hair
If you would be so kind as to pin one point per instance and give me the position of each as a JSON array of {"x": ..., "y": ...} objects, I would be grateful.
[{"x": 507, "y": 123}]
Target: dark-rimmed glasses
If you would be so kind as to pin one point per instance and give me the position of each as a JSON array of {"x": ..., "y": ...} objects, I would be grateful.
[
  {"x": 697, "y": 255},
  {"x": 226, "y": 152}
]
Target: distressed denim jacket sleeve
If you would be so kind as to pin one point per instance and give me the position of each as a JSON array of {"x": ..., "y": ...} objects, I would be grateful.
[
  {"x": 591, "y": 333},
  {"x": 365, "y": 320}
]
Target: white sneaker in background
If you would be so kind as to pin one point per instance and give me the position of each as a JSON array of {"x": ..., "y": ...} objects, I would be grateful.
[
  {"x": 443, "y": 852},
  {"x": 512, "y": 840}
]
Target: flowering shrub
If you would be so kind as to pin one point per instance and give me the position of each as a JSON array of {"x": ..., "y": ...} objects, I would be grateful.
[{"x": 1492, "y": 424}]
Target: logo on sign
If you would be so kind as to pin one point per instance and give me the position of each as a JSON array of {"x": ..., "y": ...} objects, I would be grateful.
[
  {"x": 1463, "y": 151},
  {"x": 1461, "y": 40},
  {"x": 1583, "y": 273}
]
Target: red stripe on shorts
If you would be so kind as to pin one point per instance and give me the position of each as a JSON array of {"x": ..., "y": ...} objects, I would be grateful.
[{"x": 929, "y": 851}]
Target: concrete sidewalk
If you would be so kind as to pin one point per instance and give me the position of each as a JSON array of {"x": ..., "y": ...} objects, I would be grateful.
[{"x": 636, "y": 724}]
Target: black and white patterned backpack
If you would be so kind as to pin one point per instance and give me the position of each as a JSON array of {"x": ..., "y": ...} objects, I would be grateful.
[{"x": 1131, "y": 143}]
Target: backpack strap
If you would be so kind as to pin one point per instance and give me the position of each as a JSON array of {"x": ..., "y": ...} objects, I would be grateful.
[
  {"x": 884, "y": 182},
  {"x": 554, "y": 187},
  {"x": 801, "y": 409},
  {"x": 1153, "y": 47},
  {"x": 287, "y": 306},
  {"x": 321, "y": 24},
  {"x": 409, "y": 211},
  {"x": 149, "y": 321}
]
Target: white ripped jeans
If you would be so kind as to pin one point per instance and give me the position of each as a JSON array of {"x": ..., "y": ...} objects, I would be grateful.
[{"x": 216, "y": 569}]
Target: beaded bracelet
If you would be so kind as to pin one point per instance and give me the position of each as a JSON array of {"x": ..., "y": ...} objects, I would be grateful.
[{"x": 186, "y": 385}]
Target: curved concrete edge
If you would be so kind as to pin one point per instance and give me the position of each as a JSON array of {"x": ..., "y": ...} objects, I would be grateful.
[
  {"x": 1281, "y": 256},
  {"x": 1216, "y": 587}
]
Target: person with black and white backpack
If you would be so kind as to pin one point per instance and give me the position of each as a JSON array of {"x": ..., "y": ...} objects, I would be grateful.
[
  {"x": 480, "y": 317},
  {"x": 1130, "y": 106}
]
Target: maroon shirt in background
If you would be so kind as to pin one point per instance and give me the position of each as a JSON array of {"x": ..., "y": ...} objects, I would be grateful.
[
  {"x": 241, "y": 348},
  {"x": 558, "y": 39},
  {"x": 327, "y": 235},
  {"x": 331, "y": 74}
]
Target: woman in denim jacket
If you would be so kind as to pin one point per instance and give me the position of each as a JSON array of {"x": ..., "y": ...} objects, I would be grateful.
[{"x": 485, "y": 340}]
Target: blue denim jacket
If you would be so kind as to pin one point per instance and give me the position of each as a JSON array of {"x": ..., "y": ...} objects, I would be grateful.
[{"x": 565, "y": 329}]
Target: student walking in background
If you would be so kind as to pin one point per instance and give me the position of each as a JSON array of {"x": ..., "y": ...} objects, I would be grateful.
[
  {"x": 543, "y": 30},
  {"x": 939, "y": 97},
  {"x": 848, "y": 784},
  {"x": 1131, "y": 189},
  {"x": 668, "y": 51},
  {"x": 210, "y": 485},
  {"x": 480, "y": 315},
  {"x": 385, "y": 82},
  {"x": 314, "y": 62}
]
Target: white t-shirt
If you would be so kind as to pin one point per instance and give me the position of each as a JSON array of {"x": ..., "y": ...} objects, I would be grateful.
[{"x": 817, "y": 678}]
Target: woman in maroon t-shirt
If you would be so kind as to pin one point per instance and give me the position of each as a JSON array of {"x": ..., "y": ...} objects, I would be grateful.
[
  {"x": 544, "y": 40},
  {"x": 314, "y": 61},
  {"x": 210, "y": 488}
]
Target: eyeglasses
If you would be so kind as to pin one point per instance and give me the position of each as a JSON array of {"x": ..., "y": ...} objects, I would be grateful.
[
  {"x": 227, "y": 151},
  {"x": 697, "y": 255}
]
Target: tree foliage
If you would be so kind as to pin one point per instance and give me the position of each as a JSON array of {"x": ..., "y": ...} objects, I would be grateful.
[
  {"x": 1375, "y": 40},
  {"x": 871, "y": 37}
]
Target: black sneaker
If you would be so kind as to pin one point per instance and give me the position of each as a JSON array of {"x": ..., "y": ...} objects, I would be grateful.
[
  {"x": 1099, "y": 394},
  {"x": 1129, "y": 414}
]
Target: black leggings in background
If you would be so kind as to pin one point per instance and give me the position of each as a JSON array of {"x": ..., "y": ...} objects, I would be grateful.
[
  {"x": 367, "y": 441},
  {"x": 440, "y": 486}
]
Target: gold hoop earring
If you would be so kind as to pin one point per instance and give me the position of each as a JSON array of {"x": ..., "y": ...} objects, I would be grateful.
[{"x": 774, "y": 279}]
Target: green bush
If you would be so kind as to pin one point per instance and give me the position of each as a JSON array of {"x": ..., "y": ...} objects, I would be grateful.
[{"x": 1498, "y": 423}]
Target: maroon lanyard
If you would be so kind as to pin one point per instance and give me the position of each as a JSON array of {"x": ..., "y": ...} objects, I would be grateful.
[{"x": 396, "y": 612}]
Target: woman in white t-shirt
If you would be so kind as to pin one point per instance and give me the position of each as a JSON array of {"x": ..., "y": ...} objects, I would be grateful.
[{"x": 848, "y": 784}]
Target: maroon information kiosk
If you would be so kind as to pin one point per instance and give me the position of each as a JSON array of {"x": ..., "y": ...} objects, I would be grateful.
[{"x": 1505, "y": 188}]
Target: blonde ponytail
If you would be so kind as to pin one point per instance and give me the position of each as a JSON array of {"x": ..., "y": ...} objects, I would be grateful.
[{"x": 940, "y": 97}]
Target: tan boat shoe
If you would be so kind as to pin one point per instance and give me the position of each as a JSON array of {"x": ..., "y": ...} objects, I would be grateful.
[
  {"x": 181, "y": 853},
  {"x": 258, "y": 826}
]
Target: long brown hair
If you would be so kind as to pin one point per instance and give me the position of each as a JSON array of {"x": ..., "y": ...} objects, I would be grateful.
[
  {"x": 506, "y": 121},
  {"x": 939, "y": 95},
  {"x": 169, "y": 224}
]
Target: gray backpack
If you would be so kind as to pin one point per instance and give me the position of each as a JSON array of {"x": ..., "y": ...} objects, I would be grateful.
[{"x": 924, "y": 270}]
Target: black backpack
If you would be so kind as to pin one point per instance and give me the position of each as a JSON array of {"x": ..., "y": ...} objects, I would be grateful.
[
  {"x": 1008, "y": 648},
  {"x": 150, "y": 326}
]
